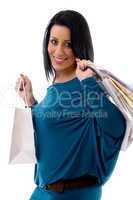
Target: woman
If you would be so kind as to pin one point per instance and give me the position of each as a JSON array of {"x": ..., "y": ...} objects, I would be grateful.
[{"x": 78, "y": 131}]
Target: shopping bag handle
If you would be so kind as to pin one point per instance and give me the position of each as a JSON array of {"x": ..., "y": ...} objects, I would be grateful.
[
  {"x": 93, "y": 67},
  {"x": 102, "y": 73},
  {"x": 26, "y": 102}
]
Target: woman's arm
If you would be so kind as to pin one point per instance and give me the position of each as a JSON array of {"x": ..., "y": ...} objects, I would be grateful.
[
  {"x": 108, "y": 116},
  {"x": 31, "y": 101}
]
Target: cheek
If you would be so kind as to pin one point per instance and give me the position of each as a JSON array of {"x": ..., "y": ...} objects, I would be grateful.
[
  {"x": 50, "y": 49},
  {"x": 70, "y": 54}
]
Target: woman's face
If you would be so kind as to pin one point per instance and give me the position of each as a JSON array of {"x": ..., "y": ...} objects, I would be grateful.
[{"x": 59, "y": 48}]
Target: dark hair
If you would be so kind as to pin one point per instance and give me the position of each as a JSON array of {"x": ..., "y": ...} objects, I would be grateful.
[{"x": 81, "y": 41}]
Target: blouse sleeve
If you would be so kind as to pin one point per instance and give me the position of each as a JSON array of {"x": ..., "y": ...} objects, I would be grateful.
[
  {"x": 107, "y": 114},
  {"x": 109, "y": 126},
  {"x": 35, "y": 103}
]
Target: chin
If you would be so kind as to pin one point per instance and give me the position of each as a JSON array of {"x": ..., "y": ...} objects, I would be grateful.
[{"x": 60, "y": 67}]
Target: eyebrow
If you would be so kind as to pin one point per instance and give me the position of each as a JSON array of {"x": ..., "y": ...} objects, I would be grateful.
[{"x": 57, "y": 39}]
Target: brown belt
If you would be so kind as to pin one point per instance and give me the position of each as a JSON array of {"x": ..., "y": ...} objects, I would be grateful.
[{"x": 61, "y": 185}]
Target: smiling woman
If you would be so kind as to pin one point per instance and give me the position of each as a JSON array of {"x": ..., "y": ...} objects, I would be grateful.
[
  {"x": 76, "y": 149},
  {"x": 60, "y": 51},
  {"x": 66, "y": 38}
]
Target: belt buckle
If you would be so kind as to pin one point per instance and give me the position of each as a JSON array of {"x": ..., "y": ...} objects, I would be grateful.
[{"x": 46, "y": 187}]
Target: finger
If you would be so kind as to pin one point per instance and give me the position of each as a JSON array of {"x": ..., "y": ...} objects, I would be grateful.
[
  {"x": 22, "y": 75},
  {"x": 82, "y": 65},
  {"x": 83, "y": 68},
  {"x": 77, "y": 59},
  {"x": 21, "y": 89},
  {"x": 19, "y": 84},
  {"x": 17, "y": 88},
  {"x": 24, "y": 79},
  {"x": 18, "y": 80},
  {"x": 21, "y": 79},
  {"x": 27, "y": 78}
]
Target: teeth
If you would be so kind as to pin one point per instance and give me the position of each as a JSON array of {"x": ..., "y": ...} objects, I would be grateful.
[{"x": 58, "y": 59}]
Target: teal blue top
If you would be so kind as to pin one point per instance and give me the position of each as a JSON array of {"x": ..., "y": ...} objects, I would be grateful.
[{"x": 78, "y": 131}]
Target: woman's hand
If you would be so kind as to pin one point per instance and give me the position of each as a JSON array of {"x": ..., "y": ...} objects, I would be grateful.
[
  {"x": 82, "y": 71},
  {"x": 26, "y": 82}
]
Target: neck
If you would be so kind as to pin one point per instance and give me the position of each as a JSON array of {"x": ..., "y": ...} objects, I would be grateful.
[{"x": 65, "y": 75}]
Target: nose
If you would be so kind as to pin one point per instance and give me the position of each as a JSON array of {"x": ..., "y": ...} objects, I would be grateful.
[{"x": 59, "y": 51}]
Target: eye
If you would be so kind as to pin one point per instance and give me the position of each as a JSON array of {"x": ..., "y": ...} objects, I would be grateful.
[
  {"x": 68, "y": 44},
  {"x": 53, "y": 41}
]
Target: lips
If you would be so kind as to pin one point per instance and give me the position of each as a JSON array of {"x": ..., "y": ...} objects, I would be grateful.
[{"x": 59, "y": 60}]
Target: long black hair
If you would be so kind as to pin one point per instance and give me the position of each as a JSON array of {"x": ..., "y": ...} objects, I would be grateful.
[{"x": 81, "y": 42}]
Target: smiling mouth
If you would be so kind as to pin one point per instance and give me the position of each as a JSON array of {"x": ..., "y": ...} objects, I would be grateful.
[{"x": 59, "y": 60}]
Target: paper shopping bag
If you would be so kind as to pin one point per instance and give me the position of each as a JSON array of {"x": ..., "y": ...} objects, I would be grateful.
[
  {"x": 125, "y": 104},
  {"x": 22, "y": 148},
  {"x": 121, "y": 95},
  {"x": 123, "y": 98},
  {"x": 22, "y": 141}
]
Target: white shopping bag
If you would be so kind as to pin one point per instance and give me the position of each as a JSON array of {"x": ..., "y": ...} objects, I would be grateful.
[
  {"x": 126, "y": 107},
  {"x": 121, "y": 95},
  {"x": 22, "y": 148}
]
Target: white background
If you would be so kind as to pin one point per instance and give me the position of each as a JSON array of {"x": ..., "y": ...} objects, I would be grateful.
[{"x": 22, "y": 25}]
